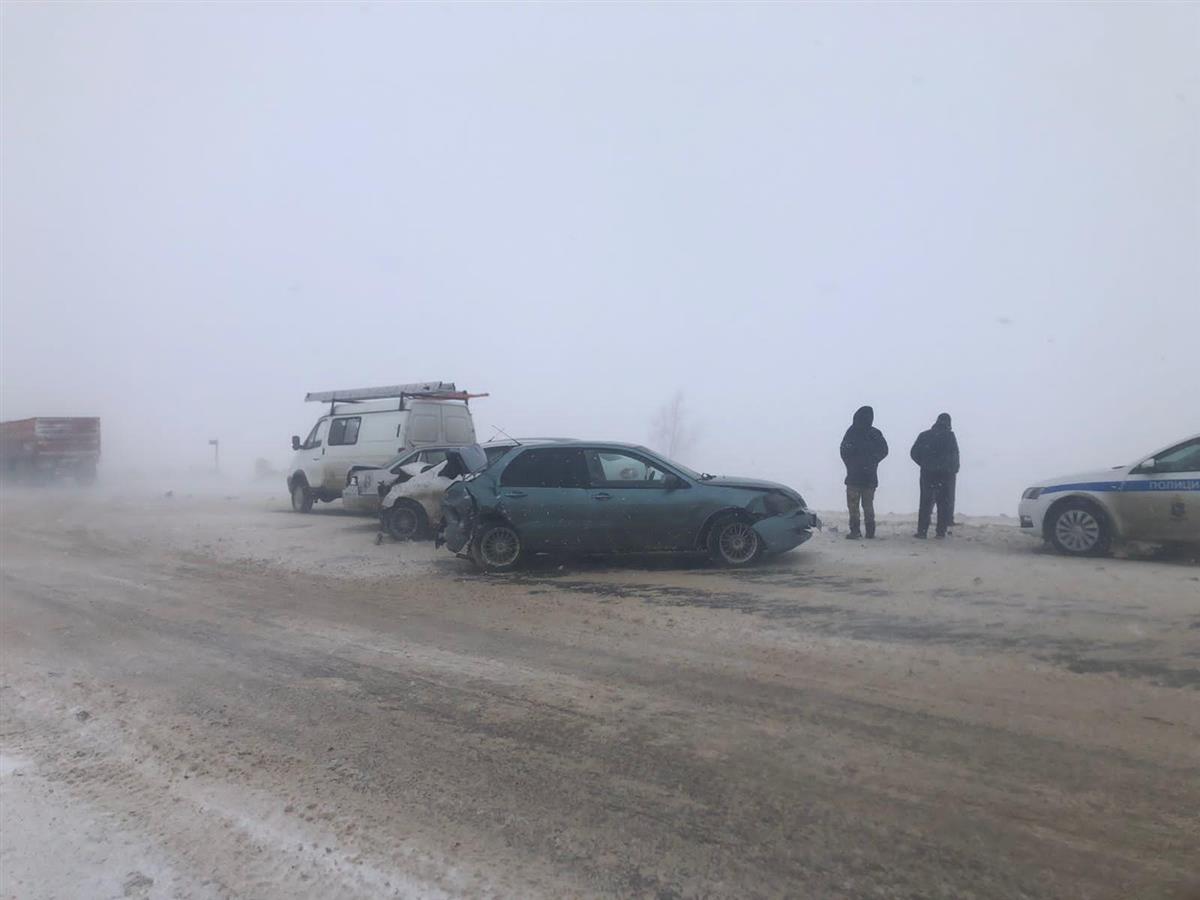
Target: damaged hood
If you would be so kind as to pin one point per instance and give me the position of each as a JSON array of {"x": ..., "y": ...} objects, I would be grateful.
[{"x": 750, "y": 484}]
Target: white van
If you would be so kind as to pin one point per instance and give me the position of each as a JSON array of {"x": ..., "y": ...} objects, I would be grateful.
[{"x": 371, "y": 426}]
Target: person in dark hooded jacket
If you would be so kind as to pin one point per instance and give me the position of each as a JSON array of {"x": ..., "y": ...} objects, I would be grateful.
[
  {"x": 863, "y": 448},
  {"x": 936, "y": 452}
]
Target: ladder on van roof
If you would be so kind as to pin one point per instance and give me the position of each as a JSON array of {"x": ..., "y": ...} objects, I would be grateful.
[{"x": 426, "y": 390}]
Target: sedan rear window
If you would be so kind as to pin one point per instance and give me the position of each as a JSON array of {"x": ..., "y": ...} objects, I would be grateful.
[{"x": 551, "y": 467}]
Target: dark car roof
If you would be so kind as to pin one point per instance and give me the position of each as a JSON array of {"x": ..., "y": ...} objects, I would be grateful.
[
  {"x": 513, "y": 442},
  {"x": 599, "y": 445}
]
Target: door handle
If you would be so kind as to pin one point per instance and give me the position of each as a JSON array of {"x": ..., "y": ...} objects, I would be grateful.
[
  {"x": 602, "y": 496},
  {"x": 515, "y": 494}
]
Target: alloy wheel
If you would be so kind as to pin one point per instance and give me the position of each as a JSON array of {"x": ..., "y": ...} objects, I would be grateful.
[
  {"x": 1077, "y": 530},
  {"x": 738, "y": 542},
  {"x": 500, "y": 546}
]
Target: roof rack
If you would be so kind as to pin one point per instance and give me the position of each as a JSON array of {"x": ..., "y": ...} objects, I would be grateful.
[{"x": 426, "y": 390}]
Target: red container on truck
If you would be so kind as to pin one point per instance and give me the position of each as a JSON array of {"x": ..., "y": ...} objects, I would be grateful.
[{"x": 47, "y": 446}]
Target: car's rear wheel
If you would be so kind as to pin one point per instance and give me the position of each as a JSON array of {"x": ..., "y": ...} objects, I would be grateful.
[
  {"x": 302, "y": 497},
  {"x": 496, "y": 547},
  {"x": 733, "y": 542},
  {"x": 1078, "y": 528},
  {"x": 406, "y": 521}
]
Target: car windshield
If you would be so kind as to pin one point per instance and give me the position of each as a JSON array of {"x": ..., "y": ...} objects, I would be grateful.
[
  {"x": 680, "y": 467},
  {"x": 406, "y": 456},
  {"x": 474, "y": 458}
]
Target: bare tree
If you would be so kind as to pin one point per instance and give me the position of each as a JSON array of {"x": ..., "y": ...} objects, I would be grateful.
[{"x": 672, "y": 432}]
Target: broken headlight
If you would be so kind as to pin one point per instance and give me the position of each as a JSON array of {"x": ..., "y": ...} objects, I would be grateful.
[{"x": 778, "y": 503}]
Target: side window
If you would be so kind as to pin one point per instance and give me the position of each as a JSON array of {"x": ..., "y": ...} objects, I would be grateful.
[
  {"x": 1184, "y": 458},
  {"x": 613, "y": 468},
  {"x": 423, "y": 426},
  {"x": 312, "y": 440},
  {"x": 344, "y": 431},
  {"x": 433, "y": 456},
  {"x": 546, "y": 467},
  {"x": 458, "y": 426}
]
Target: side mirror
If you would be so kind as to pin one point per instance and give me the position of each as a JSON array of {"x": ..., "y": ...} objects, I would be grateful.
[
  {"x": 1149, "y": 465},
  {"x": 673, "y": 482},
  {"x": 295, "y": 442}
]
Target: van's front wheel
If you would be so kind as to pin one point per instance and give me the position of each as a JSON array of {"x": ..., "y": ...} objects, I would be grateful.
[{"x": 302, "y": 497}]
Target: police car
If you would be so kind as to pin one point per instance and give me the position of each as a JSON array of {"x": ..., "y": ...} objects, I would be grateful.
[{"x": 1156, "y": 500}]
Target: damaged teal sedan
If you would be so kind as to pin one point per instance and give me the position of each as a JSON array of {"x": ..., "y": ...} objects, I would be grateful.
[{"x": 600, "y": 498}]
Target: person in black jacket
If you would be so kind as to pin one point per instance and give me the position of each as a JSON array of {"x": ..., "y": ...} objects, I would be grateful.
[
  {"x": 863, "y": 448},
  {"x": 936, "y": 452}
]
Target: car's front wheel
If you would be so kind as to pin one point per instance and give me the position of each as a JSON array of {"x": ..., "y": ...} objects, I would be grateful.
[
  {"x": 405, "y": 521},
  {"x": 496, "y": 547},
  {"x": 733, "y": 542},
  {"x": 1078, "y": 528}
]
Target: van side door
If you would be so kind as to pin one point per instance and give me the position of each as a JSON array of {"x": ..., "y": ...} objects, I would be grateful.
[
  {"x": 314, "y": 450},
  {"x": 339, "y": 455}
]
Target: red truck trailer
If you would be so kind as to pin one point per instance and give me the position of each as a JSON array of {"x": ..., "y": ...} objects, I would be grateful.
[{"x": 46, "y": 447}]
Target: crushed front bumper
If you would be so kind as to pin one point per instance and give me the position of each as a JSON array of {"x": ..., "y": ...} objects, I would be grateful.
[{"x": 783, "y": 533}]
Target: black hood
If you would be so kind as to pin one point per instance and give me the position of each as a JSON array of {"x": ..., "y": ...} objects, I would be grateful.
[
  {"x": 864, "y": 417},
  {"x": 943, "y": 421}
]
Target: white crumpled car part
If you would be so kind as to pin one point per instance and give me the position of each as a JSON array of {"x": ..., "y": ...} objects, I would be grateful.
[{"x": 425, "y": 487}]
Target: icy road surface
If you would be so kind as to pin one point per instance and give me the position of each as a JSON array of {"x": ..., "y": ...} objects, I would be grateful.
[{"x": 211, "y": 697}]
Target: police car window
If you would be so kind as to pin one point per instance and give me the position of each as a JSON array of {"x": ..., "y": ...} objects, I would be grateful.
[
  {"x": 552, "y": 468},
  {"x": 1184, "y": 458},
  {"x": 433, "y": 456}
]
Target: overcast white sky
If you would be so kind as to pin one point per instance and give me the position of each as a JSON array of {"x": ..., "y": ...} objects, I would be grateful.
[{"x": 785, "y": 210}]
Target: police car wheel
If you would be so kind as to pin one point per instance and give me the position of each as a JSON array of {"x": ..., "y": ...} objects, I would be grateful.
[{"x": 1078, "y": 528}]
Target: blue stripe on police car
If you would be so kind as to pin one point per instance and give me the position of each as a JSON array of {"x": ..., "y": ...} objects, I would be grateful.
[{"x": 1158, "y": 484}]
